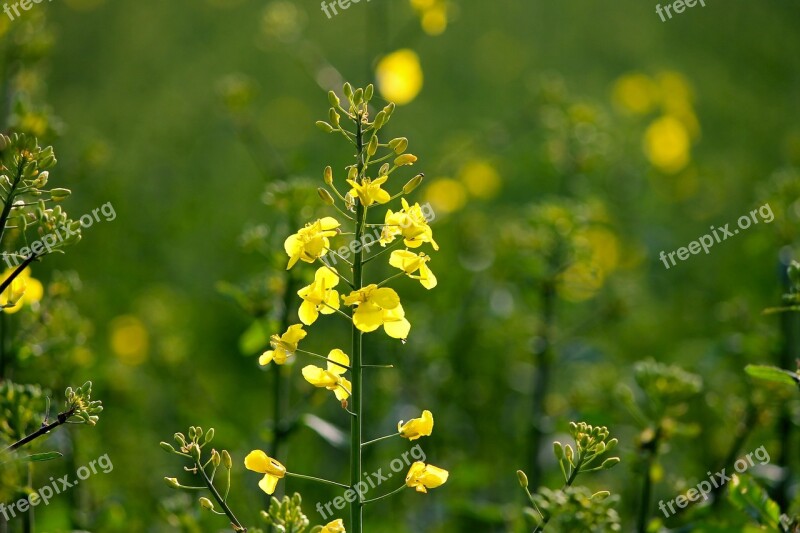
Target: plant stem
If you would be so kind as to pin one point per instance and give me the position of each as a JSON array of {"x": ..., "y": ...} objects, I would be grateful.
[
  {"x": 373, "y": 441},
  {"x": 9, "y": 199},
  {"x": 317, "y": 479},
  {"x": 237, "y": 526},
  {"x": 356, "y": 508},
  {"x": 385, "y": 495},
  {"x": 62, "y": 419},
  {"x": 17, "y": 271},
  {"x": 543, "y": 360},
  {"x": 651, "y": 451},
  {"x": 570, "y": 480},
  {"x": 318, "y": 356}
]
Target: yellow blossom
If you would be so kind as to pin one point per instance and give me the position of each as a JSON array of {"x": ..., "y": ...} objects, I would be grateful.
[
  {"x": 370, "y": 192},
  {"x": 319, "y": 297},
  {"x": 411, "y": 223},
  {"x": 331, "y": 378},
  {"x": 23, "y": 290},
  {"x": 260, "y": 462},
  {"x": 667, "y": 144},
  {"x": 310, "y": 242},
  {"x": 423, "y": 477},
  {"x": 416, "y": 427},
  {"x": 337, "y": 526},
  {"x": 399, "y": 76},
  {"x": 409, "y": 262},
  {"x": 283, "y": 346},
  {"x": 377, "y": 307}
]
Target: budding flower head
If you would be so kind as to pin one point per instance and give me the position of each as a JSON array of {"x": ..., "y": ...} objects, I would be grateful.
[
  {"x": 523, "y": 479},
  {"x": 206, "y": 503},
  {"x": 324, "y": 126},
  {"x": 325, "y": 196},
  {"x": 413, "y": 183},
  {"x": 226, "y": 460},
  {"x": 405, "y": 159},
  {"x": 399, "y": 145},
  {"x": 172, "y": 482},
  {"x": 333, "y": 99},
  {"x": 327, "y": 176}
]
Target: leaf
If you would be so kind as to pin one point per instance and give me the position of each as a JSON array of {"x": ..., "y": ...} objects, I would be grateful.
[
  {"x": 748, "y": 496},
  {"x": 40, "y": 457},
  {"x": 772, "y": 373}
]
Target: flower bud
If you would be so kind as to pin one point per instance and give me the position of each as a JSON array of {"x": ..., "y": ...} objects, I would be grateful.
[
  {"x": 327, "y": 175},
  {"x": 368, "y": 92},
  {"x": 600, "y": 495},
  {"x": 324, "y": 126},
  {"x": 327, "y": 199},
  {"x": 372, "y": 147},
  {"x": 380, "y": 120},
  {"x": 352, "y": 173},
  {"x": 399, "y": 145},
  {"x": 194, "y": 451},
  {"x": 384, "y": 169},
  {"x": 172, "y": 482},
  {"x": 41, "y": 180},
  {"x": 226, "y": 460},
  {"x": 167, "y": 447},
  {"x": 334, "y": 117},
  {"x": 523, "y": 479},
  {"x": 389, "y": 109},
  {"x": 358, "y": 96},
  {"x": 610, "y": 463},
  {"x": 333, "y": 99},
  {"x": 413, "y": 183},
  {"x": 558, "y": 450},
  {"x": 180, "y": 439},
  {"x": 405, "y": 159},
  {"x": 206, "y": 503},
  {"x": 58, "y": 195},
  {"x": 215, "y": 458},
  {"x": 210, "y": 435},
  {"x": 348, "y": 90}
]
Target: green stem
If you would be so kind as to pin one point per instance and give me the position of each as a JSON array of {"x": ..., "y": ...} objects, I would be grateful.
[
  {"x": 9, "y": 200},
  {"x": 237, "y": 526},
  {"x": 357, "y": 507},
  {"x": 317, "y": 479},
  {"x": 571, "y": 479},
  {"x": 373, "y": 441},
  {"x": 62, "y": 419},
  {"x": 385, "y": 495}
]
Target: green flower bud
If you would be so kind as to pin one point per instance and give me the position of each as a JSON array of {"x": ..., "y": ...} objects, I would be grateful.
[
  {"x": 194, "y": 451},
  {"x": 523, "y": 479},
  {"x": 216, "y": 459},
  {"x": 370, "y": 90},
  {"x": 352, "y": 173},
  {"x": 327, "y": 175},
  {"x": 210, "y": 435},
  {"x": 384, "y": 169},
  {"x": 334, "y": 117},
  {"x": 206, "y": 503},
  {"x": 600, "y": 495},
  {"x": 172, "y": 482},
  {"x": 333, "y": 99},
  {"x": 358, "y": 96},
  {"x": 348, "y": 90},
  {"x": 58, "y": 195},
  {"x": 380, "y": 120},
  {"x": 558, "y": 450},
  {"x": 413, "y": 183},
  {"x": 399, "y": 145},
  {"x": 327, "y": 199},
  {"x": 372, "y": 147},
  {"x": 405, "y": 159},
  {"x": 41, "y": 180},
  {"x": 167, "y": 447},
  {"x": 610, "y": 463},
  {"x": 47, "y": 162},
  {"x": 324, "y": 126},
  {"x": 226, "y": 460}
]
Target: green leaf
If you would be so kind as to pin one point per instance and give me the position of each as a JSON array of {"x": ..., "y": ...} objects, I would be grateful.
[
  {"x": 254, "y": 339},
  {"x": 772, "y": 373},
  {"x": 748, "y": 496},
  {"x": 40, "y": 457}
]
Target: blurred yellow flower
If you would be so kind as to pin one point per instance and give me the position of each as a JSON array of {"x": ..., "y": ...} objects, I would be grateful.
[
  {"x": 259, "y": 462},
  {"x": 377, "y": 307},
  {"x": 399, "y": 76},
  {"x": 23, "y": 290},
  {"x": 337, "y": 526},
  {"x": 580, "y": 281},
  {"x": 481, "y": 179},
  {"x": 283, "y": 346},
  {"x": 636, "y": 93},
  {"x": 129, "y": 340},
  {"x": 310, "y": 242},
  {"x": 446, "y": 195},
  {"x": 409, "y": 262},
  {"x": 411, "y": 223},
  {"x": 423, "y": 477},
  {"x": 331, "y": 378},
  {"x": 319, "y": 296},
  {"x": 369, "y": 192},
  {"x": 666, "y": 144},
  {"x": 416, "y": 427}
]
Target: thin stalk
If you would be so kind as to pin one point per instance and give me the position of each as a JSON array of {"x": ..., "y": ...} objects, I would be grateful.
[
  {"x": 651, "y": 452},
  {"x": 9, "y": 199},
  {"x": 570, "y": 480},
  {"x": 237, "y": 526},
  {"x": 318, "y": 480},
  {"x": 61, "y": 419},
  {"x": 373, "y": 441},
  {"x": 541, "y": 380},
  {"x": 395, "y": 491},
  {"x": 357, "y": 507},
  {"x": 318, "y": 356}
]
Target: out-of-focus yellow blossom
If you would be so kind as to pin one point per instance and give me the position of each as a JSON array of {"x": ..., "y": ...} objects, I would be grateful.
[
  {"x": 446, "y": 195},
  {"x": 666, "y": 144},
  {"x": 23, "y": 290},
  {"x": 310, "y": 242},
  {"x": 331, "y": 378},
  {"x": 423, "y": 477},
  {"x": 319, "y": 297},
  {"x": 369, "y": 191},
  {"x": 129, "y": 341},
  {"x": 410, "y": 223},
  {"x": 259, "y": 462},
  {"x": 283, "y": 346},
  {"x": 416, "y": 427},
  {"x": 675, "y": 89},
  {"x": 636, "y": 93},
  {"x": 580, "y": 281},
  {"x": 377, "y": 307},
  {"x": 399, "y": 76},
  {"x": 337, "y": 526},
  {"x": 409, "y": 262},
  {"x": 432, "y": 14},
  {"x": 481, "y": 179}
]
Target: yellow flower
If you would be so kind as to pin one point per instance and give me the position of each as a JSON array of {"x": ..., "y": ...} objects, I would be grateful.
[
  {"x": 399, "y": 76},
  {"x": 331, "y": 378},
  {"x": 369, "y": 191},
  {"x": 409, "y": 262},
  {"x": 310, "y": 242},
  {"x": 377, "y": 307},
  {"x": 337, "y": 526},
  {"x": 416, "y": 427},
  {"x": 23, "y": 290},
  {"x": 283, "y": 346},
  {"x": 667, "y": 144},
  {"x": 636, "y": 93},
  {"x": 423, "y": 477},
  {"x": 411, "y": 223},
  {"x": 319, "y": 297},
  {"x": 260, "y": 462}
]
